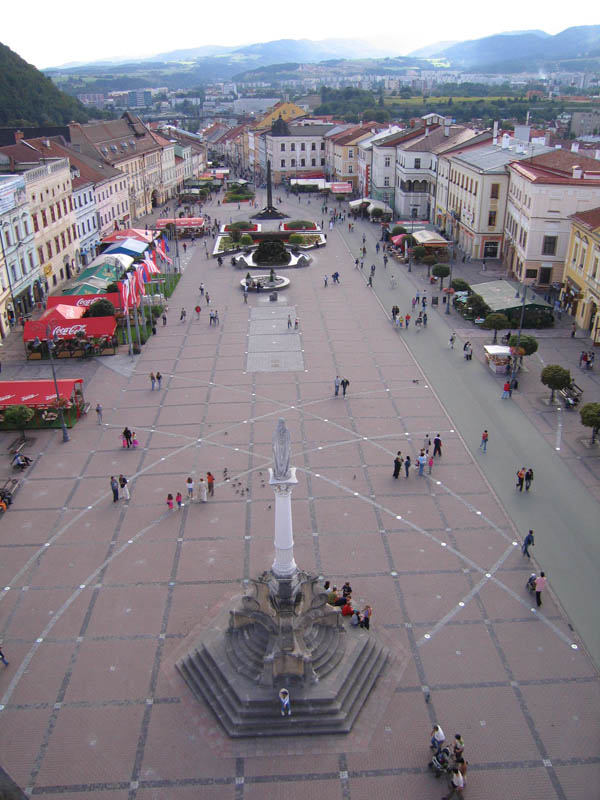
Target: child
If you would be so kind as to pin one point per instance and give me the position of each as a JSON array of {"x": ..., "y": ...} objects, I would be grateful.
[
  {"x": 190, "y": 488},
  {"x": 170, "y": 501},
  {"x": 134, "y": 441},
  {"x": 430, "y": 464},
  {"x": 178, "y": 500}
]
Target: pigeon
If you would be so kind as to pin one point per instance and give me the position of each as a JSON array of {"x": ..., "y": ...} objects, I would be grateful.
[
  {"x": 415, "y": 380},
  {"x": 268, "y": 506}
]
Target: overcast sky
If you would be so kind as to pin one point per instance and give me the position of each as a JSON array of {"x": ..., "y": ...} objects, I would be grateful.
[{"x": 66, "y": 31}]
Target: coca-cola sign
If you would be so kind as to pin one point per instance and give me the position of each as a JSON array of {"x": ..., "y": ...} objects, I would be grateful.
[
  {"x": 70, "y": 330},
  {"x": 87, "y": 301}
]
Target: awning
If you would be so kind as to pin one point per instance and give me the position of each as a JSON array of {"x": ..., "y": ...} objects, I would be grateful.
[
  {"x": 68, "y": 328},
  {"x": 399, "y": 238},
  {"x": 373, "y": 204},
  {"x": 83, "y": 300},
  {"x": 430, "y": 239},
  {"x": 357, "y": 203},
  {"x": 66, "y": 311},
  {"x": 90, "y": 289},
  {"x": 35, "y": 393},
  {"x": 130, "y": 247},
  {"x": 502, "y": 296},
  {"x": 182, "y": 222},
  {"x": 131, "y": 233},
  {"x": 116, "y": 259},
  {"x": 497, "y": 350}
]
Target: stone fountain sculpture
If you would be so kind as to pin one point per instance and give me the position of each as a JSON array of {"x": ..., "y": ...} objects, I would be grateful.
[{"x": 283, "y": 633}]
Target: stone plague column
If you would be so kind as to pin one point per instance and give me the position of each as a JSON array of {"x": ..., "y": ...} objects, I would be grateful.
[{"x": 282, "y": 478}]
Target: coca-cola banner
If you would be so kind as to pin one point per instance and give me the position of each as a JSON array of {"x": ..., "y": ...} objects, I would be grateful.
[
  {"x": 36, "y": 393},
  {"x": 67, "y": 329},
  {"x": 83, "y": 300}
]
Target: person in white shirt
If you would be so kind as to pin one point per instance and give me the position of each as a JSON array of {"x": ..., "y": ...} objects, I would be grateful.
[
  {"x": 437, "y": 738},
  {"x": 456, "y": 784}
]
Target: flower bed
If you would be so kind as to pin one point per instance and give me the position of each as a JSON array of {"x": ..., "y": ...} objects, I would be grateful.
[
  {"x": 242, "y": 226},
  {"x": 298, "y": 225}
]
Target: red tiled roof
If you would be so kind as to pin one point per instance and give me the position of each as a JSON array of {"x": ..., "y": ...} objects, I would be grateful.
[
  {"x": 589, "y": 219},
  {"x": 556, "y": 167}
]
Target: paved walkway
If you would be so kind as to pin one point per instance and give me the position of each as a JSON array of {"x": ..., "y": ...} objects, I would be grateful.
[{"x": 100, "y": 598}]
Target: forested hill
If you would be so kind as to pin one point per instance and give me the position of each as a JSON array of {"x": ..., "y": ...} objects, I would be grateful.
[{"x": 28, "y": 98}]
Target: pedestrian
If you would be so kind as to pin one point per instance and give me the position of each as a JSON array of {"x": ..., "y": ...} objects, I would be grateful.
[
  {"x": 3, "y": 659},
  {"x": 520, "y": 479},
  {"x": 170, "y": 501},
  {"x": 437, "y": 738},
  {"x": 207, "y": 298},
  {"x": 184, "y": 247},
  {"x": 505, "y": 390},
  {"x": 437, "y": 446},
  {"x": 430, "y": 464},
  {"x": 406, "y": 320},
  {"x": 127, "y": 436},
  {"x": 407, "y": 463},
  {"x": 366, "y": 616},
  {"x": 370, "y": 281},
  {"x": 573, "y": 330},
  {"x": 469, "y": 352},
  {"x": 484, "y": 440},
  {"x": 414, "y": 302},
  {"x": 424, "y": 319},
  {"x": 426, "y": 443},
  {"x": 397, "y": 464},
  {"x": 325, "y": 278},
  {"x": 336, "y": 385},
  {"x": 421, "y": 461},
  {"x": 99, "y": 413},
  {"x": 159, "y": 379},
  {"x": 284, "y": 699},
  {"x": 456, "y": 784},
  {"x": 289, "y": 321},
  {"x": 198, "y": 309},
  {"x": 540, "y": 583},
  {"x": 123, "y": 486},
  {"x": 152, "y": 381},
  {"x": 182, "y": 315},
  {"x": 114, "y": 485},
  {"x": 459, "y": 745},
  {"x": 246, "y": 294},
  {"x": 344, "y": 383},
  {"x": 164, "y": 319},
  {"x": 202, "y": 290},
  {"x": 296, "y": 324},
  {"x": 527, "y": 543},
  {"x": 377, "y": 248},
  {"x": 528, "y": 479},
  {"x": 190, "y": 488},
  {"x": 179, "y": 500},
  {"x": 452, "y": 340},
  {"x": 202, "y": 490},
  {"x": 210, "y": 482},
  {"x": 582, "y": 358}
]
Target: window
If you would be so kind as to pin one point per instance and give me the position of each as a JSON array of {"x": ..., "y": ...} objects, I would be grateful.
[
  {"x": 492, "y": 219},
  {"x": 322, "y": 145},
  {"x": 49, "y": 250},
  {"x": 350, "y": 153},
  {"x": 387, "y": 161},
  {"x": 386, "y": 181},
  {"x": 31, "y": 259},
  {"x": 322, "y": 162},
  {"x": 524, "y": 239},
  {"x": 417, "y": 163},
  {"x": 36, "y": 227},
  {"x": 313, "y": 162},
  {"x": 282, "y": 147},
  {"x": 283, "y": 162},
  {"x": 350, "y": 170},
  {"x": 54, "y": 280},
  {"x": 293, "y": 146},
  {"x": 57, "y": 244},
  {"x": 549, "y": 245},
  {"x": 52, "y": 214},
  {"x": 495, "y": 191},
  {"x": 302, "y": 146},
  {"x": 531, "y": 273},
  {"x": 293, "y": 162},
  {"x": 313, "y": 146},
  {"x": 40, "y": 254},
  {"x": 302, "y": 162}
]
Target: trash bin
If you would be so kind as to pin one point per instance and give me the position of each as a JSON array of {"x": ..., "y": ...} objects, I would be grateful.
[
  {"x": 273, "y": 297},
  {"x": 434, "y": 300}
]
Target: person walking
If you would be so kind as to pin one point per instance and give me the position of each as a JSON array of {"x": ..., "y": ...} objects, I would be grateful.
[
  {"x": 152, "y": 381},
  {"x": 164, "y": 319},
  {"x": 528, "y": 479},
  {"x": 430, "y": 464},
  {"x": 540, "y": 584},
  {"x": 127, "y": 436},
  {"x": 336, "y": 385},
  {"x": 124, "y": 488},
  {"x": 452, "y": 340},
  {"x": 207, "y": 298},
  {"x": 182, "y": 315},
  {"x": 284, "y": 699},
  {"x": 190, "y": 488},
  {"x": 527, "y": 543},
  {"x": 3, "y": 659},
  {"x": 456, "y": 784},
  {"x": 170, "y": 501},
  {"x": 370, "y": 281},
  {"x": 179, "y": 500},
  {"x": 114, "y": 485},
  {"x": 505, "y": 390},
  {"x": 397, "y": 464},
  {"x": 406, "y": 320},
  {"x": 159, "y": 379},
  {"x": 520, "y": 479},
  {"x": 407, "y": 465},
  {"x": 366, "y": 616},
  {"x": 573, "y": 330},
  {"x": 289, "y": 321},
  {"x": 201, "y": 290},
  {"x": 344, "y": 383},
  {"x": 438, "y": 737},
  {"x": 421, "y": 461},
  {"x": 99, "y": 413},
  {"x": 202, "y": 490},
  {"x": 198, "y": 310},
  {"x": 437, "y": 446},
  {"x": 210, "y": 483},
  {"x": 484, "y": 441}
]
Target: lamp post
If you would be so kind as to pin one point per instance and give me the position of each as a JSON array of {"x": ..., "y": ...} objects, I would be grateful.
[
  {"x": 514, "y": 361},
  {"x": 51, "y": 346}
]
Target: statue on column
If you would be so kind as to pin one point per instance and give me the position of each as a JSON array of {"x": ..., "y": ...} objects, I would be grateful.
[{"x": 281, "y": 452}]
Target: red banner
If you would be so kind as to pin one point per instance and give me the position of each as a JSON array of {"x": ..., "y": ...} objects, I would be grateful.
[
  {"x": 183, "y": 222},
  {"x": 84, "y": 300},
  {"x": 68, "y": 329}
]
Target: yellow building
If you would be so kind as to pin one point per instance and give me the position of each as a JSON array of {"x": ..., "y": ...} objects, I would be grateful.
[
  {"x": 581, "y": 278},
  {"x": 287, "y": 112}
]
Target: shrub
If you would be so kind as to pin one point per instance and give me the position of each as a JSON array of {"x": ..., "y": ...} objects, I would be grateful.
[
  {"x": 529, "y": 344},
  {"x": 296, "y": 238},
  {"x": 246, "y": 239},
  {"x": 419, "y": 253},
  {"x": 441, "y": 271},
  {"x": 459, "y": 285},
  {"x": 112, "y": 288},
  {"x": 377, "y": 213},
  {"x": 271, "y": 252},
  {"x": 477, "y": 306},
  {"x": 397, "y": 230},
  {"x": 496, "y": 322},
  {"x": 242, "y": 225},
  {"x": 101, "y": 308},
  {"x": 235, "y": 235},
  {"x": 555, "y": 378},
  {"x": 590, "y": 417},
  {"x": 300, "y": 225},
  {"x": 19, "y": 416}
]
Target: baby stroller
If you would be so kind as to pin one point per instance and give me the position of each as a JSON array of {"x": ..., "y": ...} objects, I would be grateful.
[
  {"x": 531, "y": 582},
  {"x": 440, "y": 762}
]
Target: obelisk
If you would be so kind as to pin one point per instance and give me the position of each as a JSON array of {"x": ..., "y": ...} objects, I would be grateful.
[{"x": 282, "y": 478}]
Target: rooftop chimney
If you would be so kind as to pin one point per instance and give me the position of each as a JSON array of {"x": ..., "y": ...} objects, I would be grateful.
[
  {"x": 447, "y": 123},
  {"x": 495, "y": 132},
  {"x": 577, "y": 171},
  {"x": 597, "y": 156},
  {"x": 18, "y": 136},
  {"x": 505, "y": 141},
  {"x": 575, "y": 147}
]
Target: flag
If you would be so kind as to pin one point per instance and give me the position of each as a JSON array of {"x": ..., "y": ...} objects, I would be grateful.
[
  {"x": 139, "y": 281},
  {"x": 166, "y": 244},
  {"x": 124, "y": 293}
]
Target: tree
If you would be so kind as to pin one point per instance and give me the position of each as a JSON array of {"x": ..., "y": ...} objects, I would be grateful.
[
  {"x": 19, "y": 416},
  {"x": 419, "y": 252},
  {"x": 441, "y": 271},
  {"x": 377, "y": 212},
  {"x": 397, "y": 230},
  {"x": 101, "y": 308},
  {"x": 429, "y": 261},
  {"x": 555, "y": 378},
  {"x": 460, "y": 285},
  {"x": 529, "y": 344},
  {"x": 496, "y": 322},
  {"x": 590, "y": 417}
]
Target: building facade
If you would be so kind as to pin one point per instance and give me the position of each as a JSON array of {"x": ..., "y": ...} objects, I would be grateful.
[
  {"x": 295, "y": 151},
  {"x": 581, "y": 277}
]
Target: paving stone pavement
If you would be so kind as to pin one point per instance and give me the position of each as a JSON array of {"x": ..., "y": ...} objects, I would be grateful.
[{"x": 100, "y": 598}]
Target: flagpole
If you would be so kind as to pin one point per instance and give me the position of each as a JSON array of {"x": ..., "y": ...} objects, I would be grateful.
[{"x": 129, "y": 331}]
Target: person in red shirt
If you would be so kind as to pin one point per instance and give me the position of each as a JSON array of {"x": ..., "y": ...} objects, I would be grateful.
[{"x": 210, "y": 480}]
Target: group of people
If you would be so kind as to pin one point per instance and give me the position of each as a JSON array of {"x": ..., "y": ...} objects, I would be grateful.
[
  {"x": 129, "y": 439},
  {"x": 524, "y": 478},
  {"x": 205, "y": 489},
  {"x": 338, "y": 382},
  {"x": 120, "y": 488},
  {"x": 154, "y": 379},
  {"x": 343, "y": 599},
  {"x": 450, "y": 760},
  {"x": 424, "y": 459},
  {"x": 586, "y": 359},
  {"x": 403, "y": 321}
]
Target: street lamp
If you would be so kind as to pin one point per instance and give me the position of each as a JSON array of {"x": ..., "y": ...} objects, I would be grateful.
[{"x": 51, "y": 346}]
